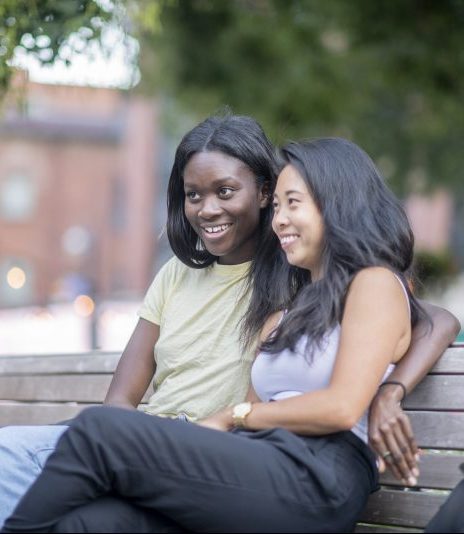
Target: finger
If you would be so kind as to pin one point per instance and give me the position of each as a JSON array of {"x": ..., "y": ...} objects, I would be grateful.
[
  {"x": 406, "y": 445},
  {"x": 407, "y": 464},
  {"x": 409, "y": 434},
  {"x": 377, "y": 442},
  {"x": 380, "y": 446},
  {"x": 381, "y": 464},
  {"x": 396, "y": 461}
]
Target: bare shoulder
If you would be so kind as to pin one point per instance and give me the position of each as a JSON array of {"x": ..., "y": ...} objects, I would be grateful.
[
  {"x": 377, "y": 280},
  {"x": 377, "y": 290},
  {"x": 271, "y": 323}
]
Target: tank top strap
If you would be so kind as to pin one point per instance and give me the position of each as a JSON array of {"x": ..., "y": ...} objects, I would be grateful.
[{"x": 405, "y": 291}]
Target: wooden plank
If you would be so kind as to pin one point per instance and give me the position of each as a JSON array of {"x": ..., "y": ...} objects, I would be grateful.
[
  {"x": 452, "y": 361},
  {"x": 60, "y": 388},
  {"x": 438, "y": 471},
  {"x": 65, "y": 388},
  {"x": 14, "y": 413},
  {"x": 90, "y": 362},
  {"x": 371, "y": 529},
  {"x": 37, "y": 414},
  {"x": 402, "y": 508},
  {"x": 437, "y": 392},
  {"x": 438, "y": 430}
]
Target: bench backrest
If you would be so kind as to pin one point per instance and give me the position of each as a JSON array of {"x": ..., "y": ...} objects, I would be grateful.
[
  {"x": 48, "y": 389},
  {"x": 436, "y": 409}
]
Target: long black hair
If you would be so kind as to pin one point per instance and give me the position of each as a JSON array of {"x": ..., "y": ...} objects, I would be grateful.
[{"x": 364, "y": 224}]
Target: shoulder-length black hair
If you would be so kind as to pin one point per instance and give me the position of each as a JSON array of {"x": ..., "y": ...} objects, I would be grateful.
[
  {"x": 233, "y": 135},
  {"x": 365, "y": 226},
  {"x": 270, "y": 276}
]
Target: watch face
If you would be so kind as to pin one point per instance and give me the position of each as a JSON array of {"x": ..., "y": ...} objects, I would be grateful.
[{"x": 242, "y": 409}]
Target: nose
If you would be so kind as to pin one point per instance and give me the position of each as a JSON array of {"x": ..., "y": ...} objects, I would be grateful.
[
  {"x": 210, "y": 208},
  {"x": 280, "y": 219}
]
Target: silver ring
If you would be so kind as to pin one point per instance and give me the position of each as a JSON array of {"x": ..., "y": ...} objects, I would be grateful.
[{"x": 385, "y": 455}]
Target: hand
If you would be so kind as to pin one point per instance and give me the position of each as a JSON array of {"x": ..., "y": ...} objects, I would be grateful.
[
  {"x": 221, "y": 420},
  {"x": 390, "y": 432}
]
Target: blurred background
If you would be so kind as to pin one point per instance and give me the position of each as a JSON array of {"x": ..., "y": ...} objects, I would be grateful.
[{"x": 96, "y": 94}]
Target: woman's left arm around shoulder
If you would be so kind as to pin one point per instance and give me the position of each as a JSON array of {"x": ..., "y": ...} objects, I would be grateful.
[{"x": 374, "y": 327}]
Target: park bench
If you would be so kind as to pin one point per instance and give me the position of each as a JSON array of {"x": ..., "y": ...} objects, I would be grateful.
[{"x": 48, "y": 389}]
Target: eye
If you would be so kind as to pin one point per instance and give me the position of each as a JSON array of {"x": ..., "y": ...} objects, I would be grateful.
[
  {"x": 192, "y": 195},
  {"x": 275, "y": 205},
  {"x": 293, "y": 201},
  {"x": 225, "y": 192}
]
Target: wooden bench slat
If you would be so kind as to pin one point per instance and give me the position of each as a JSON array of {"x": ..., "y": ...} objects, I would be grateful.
[
  {"x": 437, "y": 392},
  {"x": 37, "y": 414},
  {"x": 438, "y": 471},
  {"x": 402, "y": 508},
  {"x": 93, "y": 362},
  {"x": 65, "y": 388},
  {"x": 61, "y": 388},
  {"x": 438, "y": 430},
  {"x": 452, "y": 360}
]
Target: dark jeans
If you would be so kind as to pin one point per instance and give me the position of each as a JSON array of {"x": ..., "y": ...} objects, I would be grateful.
[
  {"x": 181, "y": 476},
  {"x": 450, "y": 517}
]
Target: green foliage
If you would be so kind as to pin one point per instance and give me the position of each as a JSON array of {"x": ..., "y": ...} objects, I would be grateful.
[
  {"x": 42, "y": 27},
  {"x": 433, "y": 269},
  {"x": 389, "y": 75}
]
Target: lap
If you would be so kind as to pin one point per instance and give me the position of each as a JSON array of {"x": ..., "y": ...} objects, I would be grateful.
[{"x": 272, "y": 473}]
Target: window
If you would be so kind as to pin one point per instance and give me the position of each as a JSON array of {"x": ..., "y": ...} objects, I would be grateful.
[{"x": 18, "y": 197}]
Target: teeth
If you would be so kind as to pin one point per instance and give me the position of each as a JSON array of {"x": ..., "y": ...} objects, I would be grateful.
[
  {"x": 216, "y": 229},
  {"x": 288, "y": 239}
]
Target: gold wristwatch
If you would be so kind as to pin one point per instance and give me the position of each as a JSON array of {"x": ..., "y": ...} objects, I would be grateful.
[{"x": 240, "y": 412}]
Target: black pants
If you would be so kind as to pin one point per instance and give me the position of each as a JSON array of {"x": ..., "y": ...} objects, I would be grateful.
[
  {"x": 450, "y": 517},
  {"x": 180, "y": 475}
]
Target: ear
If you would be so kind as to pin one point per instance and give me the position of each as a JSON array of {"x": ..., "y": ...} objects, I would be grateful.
[{"x": 264, "y": 195}]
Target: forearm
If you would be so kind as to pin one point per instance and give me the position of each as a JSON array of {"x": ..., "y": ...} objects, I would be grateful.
[
  {"x": 316, "y": 413},
  {"x": 427, "y": 345}
]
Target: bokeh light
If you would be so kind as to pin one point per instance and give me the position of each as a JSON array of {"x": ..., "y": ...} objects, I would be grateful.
[
  {"x": 16, "y": 278},
  {"x": 84, "y": 306}
]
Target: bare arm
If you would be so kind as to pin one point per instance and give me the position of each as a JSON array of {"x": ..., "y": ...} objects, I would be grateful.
[
  {"x": 136, "y": 367},
  {"x": 427, "y": 345},
  {"x": 387, "y": 421}
]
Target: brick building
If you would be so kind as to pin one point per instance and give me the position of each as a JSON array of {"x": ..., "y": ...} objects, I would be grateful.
[{"x": 78, "y": 186}]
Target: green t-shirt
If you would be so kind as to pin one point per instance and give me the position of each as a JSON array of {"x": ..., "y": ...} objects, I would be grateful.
[{"x": 200, "y": 364}]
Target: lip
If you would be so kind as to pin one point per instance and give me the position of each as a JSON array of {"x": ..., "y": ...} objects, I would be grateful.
[
  {"x": 286, "y": 245},
  {"x": 216, "y": 235}
]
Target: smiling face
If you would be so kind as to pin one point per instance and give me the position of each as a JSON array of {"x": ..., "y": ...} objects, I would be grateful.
[
  {"x": 223, "y": 204},
  {"x": 298, "y": 222}
]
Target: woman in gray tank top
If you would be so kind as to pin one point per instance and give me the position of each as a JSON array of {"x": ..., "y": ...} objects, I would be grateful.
[{"x": 293, "y": 464}]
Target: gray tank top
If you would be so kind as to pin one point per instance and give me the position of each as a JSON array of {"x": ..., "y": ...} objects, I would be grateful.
[{"x": 288, "y": 374}]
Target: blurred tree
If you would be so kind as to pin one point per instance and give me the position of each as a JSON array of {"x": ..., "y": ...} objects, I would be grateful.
[
  {"x": 389, "y": 75},
  {"x": 42, "y": 28}
]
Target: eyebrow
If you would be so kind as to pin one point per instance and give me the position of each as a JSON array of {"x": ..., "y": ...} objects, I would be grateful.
[
  {"x": 216, "y": 182},
  {"x": 291, "y": 192}
]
